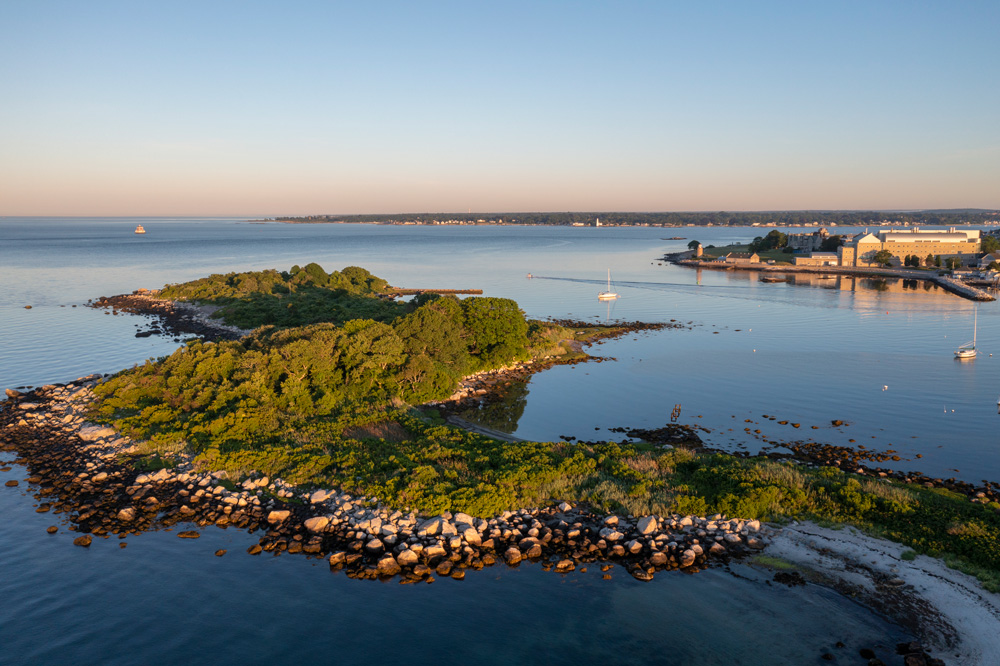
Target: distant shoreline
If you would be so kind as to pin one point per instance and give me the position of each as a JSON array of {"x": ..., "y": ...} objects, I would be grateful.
[{"x": 595, "y": 219}]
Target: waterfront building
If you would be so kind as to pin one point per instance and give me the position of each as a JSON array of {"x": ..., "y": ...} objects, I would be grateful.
[
  {"x": 817, "y": 259},
  {"x": 740, "y": 258},
  {"x": 900, "y": 243},
  {"x": 808, "y": 242}
]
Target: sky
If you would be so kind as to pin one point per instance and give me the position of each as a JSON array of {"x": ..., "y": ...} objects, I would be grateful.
[{"x": 300, "y": 108}]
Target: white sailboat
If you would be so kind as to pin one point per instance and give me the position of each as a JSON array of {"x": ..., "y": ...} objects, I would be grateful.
[
  {"x": 968, "y": 350},
  {"x": 607, "y": 295}
]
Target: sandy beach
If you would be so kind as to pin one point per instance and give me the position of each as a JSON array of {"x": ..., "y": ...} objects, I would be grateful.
[{"x": 958, "y": 621}]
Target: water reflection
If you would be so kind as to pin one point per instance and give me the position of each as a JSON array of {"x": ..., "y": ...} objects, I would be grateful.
[{"x": 503, "y": 411}]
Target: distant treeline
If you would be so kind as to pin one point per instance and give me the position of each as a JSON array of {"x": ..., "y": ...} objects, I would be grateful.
[{"x": 760, "y": 218}]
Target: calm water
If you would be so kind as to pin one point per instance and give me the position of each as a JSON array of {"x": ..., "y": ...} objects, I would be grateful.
[{"x": 875, "y": 355}]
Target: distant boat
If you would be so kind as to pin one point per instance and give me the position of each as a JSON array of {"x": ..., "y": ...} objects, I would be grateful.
[
  {"x": 140, "y": 230},
  {"x": 607, "y": 295},
  {"x": 968, "y": 350}
]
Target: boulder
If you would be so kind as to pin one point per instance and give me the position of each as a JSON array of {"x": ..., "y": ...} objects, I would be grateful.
[
  {"x": 634, "y": 546},
  {"x": 320, "y": 496},
  {"x": 90, "y": 433},
  {"x": 463, "y": 518},
  {"x": 126, "y": 515},
  {"x": 11, "y": 393},
  {"x": 316, "y": 523},
  {"x": 430, "y": 527},
  {"x": 646, "y": 525},
  {"x": 275, "y": 517},
  {"x": 83, "y": 541},
  {"x": 687, "y": 558},
  {"x": 387, "y": 566},
  {"x": 513, "y": 555},
  {"x": 407, "y": 558},
  {"x": 610, "y": 534},
  {"x": 471, "y": 536},
  {"x": 659, "y": 559},
  {"x": 374, "y": 547},
  {"x": 434, "y": 552},
  {"x": 563, "y": 566}
]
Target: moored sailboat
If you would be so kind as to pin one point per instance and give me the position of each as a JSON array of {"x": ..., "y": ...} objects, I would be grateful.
[
  {"x": 968, "y": 350},
  {"x": 607, "y": 295}
]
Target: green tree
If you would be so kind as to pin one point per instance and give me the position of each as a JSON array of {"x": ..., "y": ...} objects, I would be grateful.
[
  {"x": 995, "y": 266},
  {"x": 929, "y": 260},
  {"x": 498, "y": 332},
  {"x": 989, "y": 244},
  {"x": 693, "y": 245},
  {"x": 831, "y": 243},
  {"x": 882, "y": 257},
  {"x": 774, "y": 240}
]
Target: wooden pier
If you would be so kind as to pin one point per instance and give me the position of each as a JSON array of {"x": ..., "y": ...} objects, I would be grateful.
[{"x": 394, "y": 291}]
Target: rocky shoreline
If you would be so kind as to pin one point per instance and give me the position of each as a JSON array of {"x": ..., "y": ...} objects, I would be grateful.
[
  {"x": 174, "y": 318},
  {"x": 84, "y": 471}
]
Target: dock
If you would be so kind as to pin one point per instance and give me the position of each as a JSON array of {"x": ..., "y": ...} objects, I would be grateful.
[
  {"x": 395, "y": 291},
  {"x": 956, "y": 287}
]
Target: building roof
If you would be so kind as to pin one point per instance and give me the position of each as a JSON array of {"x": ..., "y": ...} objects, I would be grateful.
[{"x": 925, "y": 236}]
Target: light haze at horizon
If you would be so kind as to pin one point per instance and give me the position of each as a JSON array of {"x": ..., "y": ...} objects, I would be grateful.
[{"x": 226, "y": 108}]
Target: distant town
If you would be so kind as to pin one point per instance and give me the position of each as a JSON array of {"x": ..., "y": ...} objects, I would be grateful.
[{"x": 947, "y": 218}]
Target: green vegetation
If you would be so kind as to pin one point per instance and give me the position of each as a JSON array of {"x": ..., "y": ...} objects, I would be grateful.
[
  {"x": 989, "y": 244},
  {"x": 297, "y": 297},
  {"x": 330, "y": 405},
  {"x": 831, "y": 243},
  {"x": 774, "y": 240},
  {"x": 882, "y": 257}
]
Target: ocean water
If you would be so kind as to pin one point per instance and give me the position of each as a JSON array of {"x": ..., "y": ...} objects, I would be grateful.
[{"x": 875, "y": 355}]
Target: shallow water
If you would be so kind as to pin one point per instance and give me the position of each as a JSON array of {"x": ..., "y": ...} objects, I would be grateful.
[
  {"x": 807, "y": 353},
  {"x": 164, "y": 600}
]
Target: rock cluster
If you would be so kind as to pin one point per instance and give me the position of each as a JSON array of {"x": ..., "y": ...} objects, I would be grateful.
[
  {"x": 854, "y": 461},
  {"x": 84, "y": 470},
  {"x": 174, "y": 318}
]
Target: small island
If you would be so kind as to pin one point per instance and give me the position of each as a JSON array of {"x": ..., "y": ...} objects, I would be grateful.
[{"x": 317, "y": 414}]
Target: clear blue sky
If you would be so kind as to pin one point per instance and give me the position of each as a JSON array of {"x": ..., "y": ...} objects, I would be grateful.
[{"x": 259, "y": 108}]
